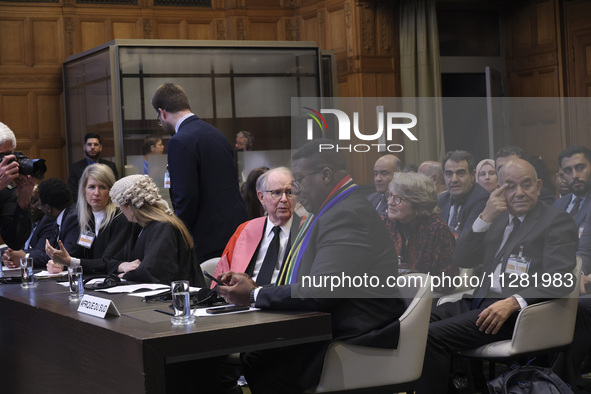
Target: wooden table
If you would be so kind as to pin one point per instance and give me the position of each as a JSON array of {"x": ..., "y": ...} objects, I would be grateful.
[{"x": 46, "y": 346}]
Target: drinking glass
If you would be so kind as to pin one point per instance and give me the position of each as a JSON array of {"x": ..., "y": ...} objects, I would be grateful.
[{"x": 181, "y": 303}]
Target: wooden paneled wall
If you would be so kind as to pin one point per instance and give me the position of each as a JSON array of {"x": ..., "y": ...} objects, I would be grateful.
[
  {"x": 534, "y": 69},
  {"x": 35, "y": 38}
]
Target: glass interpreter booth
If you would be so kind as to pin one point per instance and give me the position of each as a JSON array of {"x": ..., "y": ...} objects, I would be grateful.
[{"x": 233, "y": 85}]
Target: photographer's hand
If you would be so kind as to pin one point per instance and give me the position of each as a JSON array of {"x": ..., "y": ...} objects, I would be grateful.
[
  {"x": 25, "y": 185},
  {"x": 8, "y": 170}
]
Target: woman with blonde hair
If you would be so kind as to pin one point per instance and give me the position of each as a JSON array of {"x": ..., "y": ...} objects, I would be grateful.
[
  {"x": 424, "y": 242},
  {"x": 160, "y": 249},
  {"x": 103, "y": 229}
]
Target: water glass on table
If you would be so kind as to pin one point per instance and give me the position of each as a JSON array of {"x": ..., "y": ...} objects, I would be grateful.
[
  {"x": 76, "y": 283},
  {"x": 181, "y": 303},
  {"x": 28, "y": 279}
]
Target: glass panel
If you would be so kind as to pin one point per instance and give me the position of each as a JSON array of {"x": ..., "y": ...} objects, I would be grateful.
[
  {"x": 272, "y": 95},
  {"x": 232, "y": 88},
  {"x": 89, "y": 104}
]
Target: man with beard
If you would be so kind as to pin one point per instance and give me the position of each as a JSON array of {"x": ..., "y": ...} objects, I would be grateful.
[
  {"x": 92, "y": 151},
  {"x": 203, "y": 177},
  {"x": 575, "y": 164}
]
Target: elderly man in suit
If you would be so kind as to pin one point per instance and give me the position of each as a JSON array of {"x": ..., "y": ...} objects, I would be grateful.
[
  {"x": 259, "y": 246},
  {"x": 464, "y": 199},
  {"x": 203, "y": 176},
  {"x": 383, "y": 171},
  {"x": 515, "y": 234},
  {"x": 575, "y": 164},
  {"x": 92, "y": 152},
  {"x": 343, "y": 236}
]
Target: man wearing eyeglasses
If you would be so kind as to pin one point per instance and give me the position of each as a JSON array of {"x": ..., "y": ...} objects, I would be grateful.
[
  {"x": 342, "y": 236},
  {"x": 260, "y": 246},
  {"x": 203, "y": 176}
]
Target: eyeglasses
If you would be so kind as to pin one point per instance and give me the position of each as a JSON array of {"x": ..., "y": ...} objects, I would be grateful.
[
  {"x": 397, "y": 199},
  {"x": 297, "y": 183},
  {"x": 277, "y": 194},
  {"x": 158, "y": 119}
]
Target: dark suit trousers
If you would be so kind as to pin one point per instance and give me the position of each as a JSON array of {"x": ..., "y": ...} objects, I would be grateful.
[
  {"x": 568, "y": 364},
  {"x": 286, "y": 370},
  {"x": 453, "y": 328}
]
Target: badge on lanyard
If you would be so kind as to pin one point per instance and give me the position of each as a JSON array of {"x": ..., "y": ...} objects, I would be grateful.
[
  {"x": 166, "y": 180},
  {"x": 86, "y": 239},
  {"x": 519, "y": 264}
]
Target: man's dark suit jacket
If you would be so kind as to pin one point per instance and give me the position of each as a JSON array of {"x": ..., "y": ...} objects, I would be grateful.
[
  {"x": 549, "y": 238},
  {"x": 163, "y": 254},
  {"x": 374, "y": 200},
  {"x": 349, "y": 238},
  {"x": 43, "y": 231},
  {"x": 564, "y": 201},
  {"x": 110, "y": 241},
  {"x": 68, "y": 234},
  {"x": 204, "y": 186},
  {"x": 15, "y": 224},
  {"x": 585, "y": 244},
  {"x": 78, "y": 168},
  {"x": 473, "y": 206}
]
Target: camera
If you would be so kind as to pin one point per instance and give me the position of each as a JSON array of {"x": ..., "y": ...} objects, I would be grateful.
[{"x": 34, "y": 167}]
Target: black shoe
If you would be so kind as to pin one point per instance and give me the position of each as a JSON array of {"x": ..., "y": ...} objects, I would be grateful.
[{"x": 459, "y": 384}]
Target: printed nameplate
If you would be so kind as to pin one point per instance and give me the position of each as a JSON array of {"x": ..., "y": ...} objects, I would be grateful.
[{"x": 97, "y": 306}]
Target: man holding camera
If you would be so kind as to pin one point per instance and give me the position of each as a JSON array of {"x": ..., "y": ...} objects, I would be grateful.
[{"x": 15, "y": 223}]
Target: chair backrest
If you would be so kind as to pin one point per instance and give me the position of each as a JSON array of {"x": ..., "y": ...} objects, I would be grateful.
[
  {"x": 532, "y": 331},
  {"x": 209, "y": 266},
  {"x": 352, "y": 367}
]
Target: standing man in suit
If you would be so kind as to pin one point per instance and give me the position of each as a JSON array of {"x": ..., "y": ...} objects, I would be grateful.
[
  {"x": 464, "y": 199},
  {"x": 251, "y": 243},
  {"x": 342, "y": 236},
  {"x": 516, "y": 233},
  {"x": 575, "y": 164},
  {"x": 92, "y": 151},
  {"x": 383, "y": 171},
  {"x": 203, "y": 176},
  {"x": 55, "y": 201}
]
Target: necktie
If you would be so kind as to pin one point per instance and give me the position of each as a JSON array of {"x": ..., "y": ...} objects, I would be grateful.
[
  {"x": 55, "y": 235},
  {"x": 454, "y": 223},
  {"x": 516, "y": 223},
  {"x": 382, "y": 205},
  {"x": 576, "y": 205},
  {"x": 270, "y": 261}
]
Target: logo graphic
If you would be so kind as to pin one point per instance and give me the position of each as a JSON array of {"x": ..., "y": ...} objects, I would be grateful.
[
  {"x": 317, "y": 117},
  {"x": 388, "y": 122}
]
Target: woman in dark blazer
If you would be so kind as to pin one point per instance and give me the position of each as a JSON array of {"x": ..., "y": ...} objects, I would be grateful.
[
  {"x": 160, "y": 249},
  {"x": 103, "y": 229}
]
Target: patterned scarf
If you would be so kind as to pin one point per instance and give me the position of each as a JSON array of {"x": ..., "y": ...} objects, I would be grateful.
[{"x": 289, "y": 271}]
